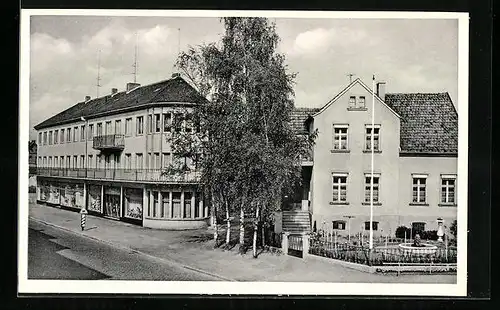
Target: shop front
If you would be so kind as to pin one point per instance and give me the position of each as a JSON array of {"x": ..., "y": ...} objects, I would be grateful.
[
  {"x": 112, "y": 202},
  {"x": 132, "y": 205},
  {"x": 94, "y": 204},
  {"x": 71, "y": 195},
  {"x": 43, "y": 190},
  {"x": 54, "y": 194},
  {"x": 174, "y": 208}
]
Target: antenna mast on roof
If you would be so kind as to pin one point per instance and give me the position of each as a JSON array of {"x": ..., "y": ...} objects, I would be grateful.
[
  {"x": 135, "y": 59},
  {"x": 98, "y": 84}
]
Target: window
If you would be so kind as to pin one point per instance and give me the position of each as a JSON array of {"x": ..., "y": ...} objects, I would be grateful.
[
  {"x": 82, "y": 133},
  {"x": 107, "y": 162},
  {"x": 188, "y": 124},
  {"x": 68, "y": 135},
  {"x": 157, "y": 161},
  {"x": 50, "y": 161},
  {"x": 339, "y": 188},
  {"x": 118, "y": 126},
  {"x": 128, "y": 127},
  {"x": 99, "y": 129},
  {"x": 45, "y": 138},
  {"x": 75, "y": 162},
  {"x": 178, "y": 122},
  {"x": 56, "y": 162},
  {"x": 45, "y": 161},
  {"x": 90, "y": 161},
  {"x": 128, "y": 161},
  {"x": 75, "y": 134},
  {"x": 68, "y": 161},
  {"x": 375, "y": 189},
  {"x": 61, "y": 161},
  {"x": 98, "y": 160},
  {"x": 340, "y": 225},
  {"x": 40, "y": 162},
  {"x": 117, "y": 161},
  {"x": 374, "y": 225},
  {"x": 340, "y": 137},
  {"x": 166, "y": 159},
  {"x": 140, "y": 125},
  {"x": 376, "y": 138},
  {"x": 419, "y": 188},
  {"x": 448, "y": 189},
  {"x": 150, "y": 123},
  {"x": 138, "y": 161},
  {"x": 157, "y": 122},
  {"x": 108, "y": 128},
  {"x": 352, "y": 102},
  {"x": 56, "y": 136},
  {"x": 82, "y": 160},
  {"x": 148, "y": 161},
  {"x": 361, "y": 103},
  {"x": 50, "y": 137},
  {"x": 39, "y": 138},
  {"x": 62, "y": 135},
  {"x": 167, "y": 122},
  {"x": 91, "y": 132}
]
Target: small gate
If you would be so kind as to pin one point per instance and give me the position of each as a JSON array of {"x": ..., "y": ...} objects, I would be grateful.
[{"x": 295, "y": 246}]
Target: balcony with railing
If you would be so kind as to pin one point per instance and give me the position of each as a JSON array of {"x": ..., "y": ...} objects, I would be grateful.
[
  {"x": 134, "y": 175},
  {"x": 109, "y": 142}
]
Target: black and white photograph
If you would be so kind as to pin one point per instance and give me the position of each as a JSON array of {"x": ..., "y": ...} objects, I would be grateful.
[{"x": 243, "y": 152}]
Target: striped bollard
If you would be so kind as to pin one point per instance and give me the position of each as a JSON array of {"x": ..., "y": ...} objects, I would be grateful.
[{"x": 83, "y": 218}]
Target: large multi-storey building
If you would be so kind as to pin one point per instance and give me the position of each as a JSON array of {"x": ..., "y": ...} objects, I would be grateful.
[
  {"x": 415, "y": 162},
  {"x": 108, "y": 154}
]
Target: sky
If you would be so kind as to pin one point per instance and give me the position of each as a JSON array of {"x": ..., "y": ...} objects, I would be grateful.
[{"x": 410, "y": 55}]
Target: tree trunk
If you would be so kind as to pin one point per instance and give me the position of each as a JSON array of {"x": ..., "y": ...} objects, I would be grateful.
[
  {"x": 228, "y": 232},
  {"x": 263, "y": 235},
  {"x": 242, "y": 225},
  {"x": 255, "y": 228},
  {"x": 216, "y": 228}
]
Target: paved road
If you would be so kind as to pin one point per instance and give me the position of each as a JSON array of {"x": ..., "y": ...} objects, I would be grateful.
[{"x": 57, "y": 254}]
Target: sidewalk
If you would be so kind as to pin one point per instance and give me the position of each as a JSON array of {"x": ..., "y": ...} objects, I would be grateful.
[{"x": 191, "y": 249}]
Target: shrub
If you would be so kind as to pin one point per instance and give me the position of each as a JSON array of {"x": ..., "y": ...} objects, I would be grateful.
[
  {"x": 429, "y": 235},
  {"x": 453, "y": 228},
  {"x": 400, "y": 232}
]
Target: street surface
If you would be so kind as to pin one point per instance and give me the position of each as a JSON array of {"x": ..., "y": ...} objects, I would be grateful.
[{"x": 57, "y": 254}]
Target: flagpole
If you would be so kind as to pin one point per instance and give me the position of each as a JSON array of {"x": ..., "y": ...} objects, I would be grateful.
[{"x": 371, "y": 177}]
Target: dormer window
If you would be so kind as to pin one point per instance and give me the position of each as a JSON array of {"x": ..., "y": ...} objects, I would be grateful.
[
  {"x": 357, "y": 103},
  {"x": 352, "y": 102}
]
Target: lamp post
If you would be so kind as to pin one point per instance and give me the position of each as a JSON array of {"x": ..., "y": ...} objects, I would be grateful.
[{"x": 349, "y": 217}]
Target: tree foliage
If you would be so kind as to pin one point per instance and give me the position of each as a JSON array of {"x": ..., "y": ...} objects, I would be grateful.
[{"x": 244, "y": 146}]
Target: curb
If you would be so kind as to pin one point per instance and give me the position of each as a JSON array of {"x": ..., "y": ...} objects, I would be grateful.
[{"x": 133, "y": 250}]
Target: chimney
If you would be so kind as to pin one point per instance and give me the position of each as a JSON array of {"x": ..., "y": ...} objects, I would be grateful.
[
  {"x": 131, "y": 86},
  {"x": 87, "y": 98},
  {"x": 381, "y": 90},
  {"x": 114, "y": 91},
  {"x": 175, "y": 75}
]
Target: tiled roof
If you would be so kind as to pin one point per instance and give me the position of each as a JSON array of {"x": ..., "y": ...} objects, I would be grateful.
[
  {"x": 298, "y": 118},
  {"x": 429, "y": 122},
  {"x": 175, "y": 90}
]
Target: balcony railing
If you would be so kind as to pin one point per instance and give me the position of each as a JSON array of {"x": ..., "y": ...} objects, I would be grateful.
[
  {"x": 110, "y": 142},
  {"x": 139, "y": 175}
]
